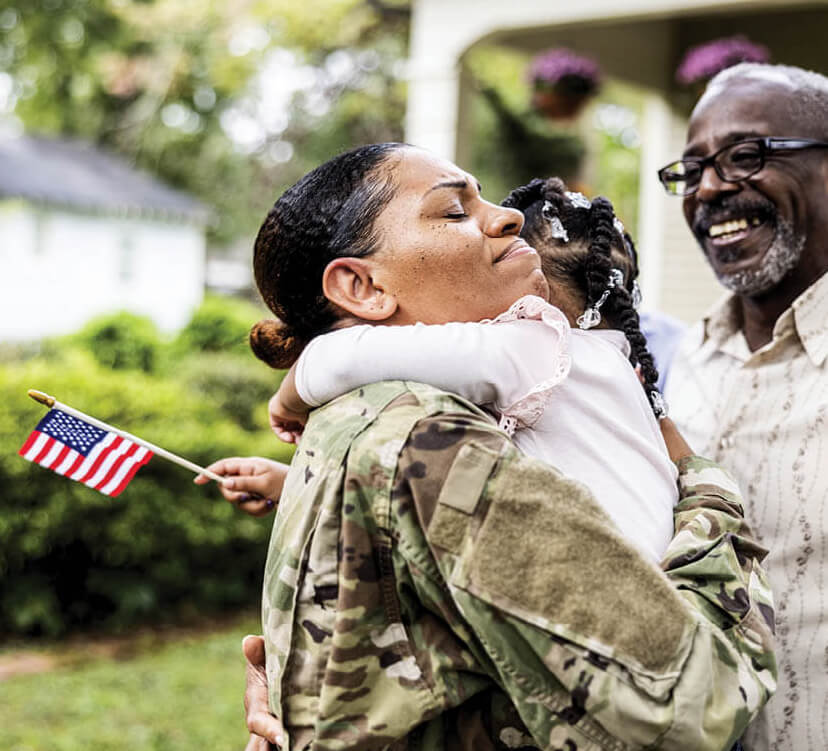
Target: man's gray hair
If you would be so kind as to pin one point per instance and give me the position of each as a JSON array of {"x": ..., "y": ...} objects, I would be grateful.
[{"x": 810, "y": 105}]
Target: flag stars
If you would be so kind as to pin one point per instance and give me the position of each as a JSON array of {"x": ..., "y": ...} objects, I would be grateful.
[{"x": 79, "y": 435}]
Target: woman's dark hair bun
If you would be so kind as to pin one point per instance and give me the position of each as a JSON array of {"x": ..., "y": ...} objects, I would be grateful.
[
  {"x": 330, "y": 213},
  {"x": 275, "y": 343}
]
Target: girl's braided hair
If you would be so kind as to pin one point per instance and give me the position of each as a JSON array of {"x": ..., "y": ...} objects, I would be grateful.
[
  {"x": 328, "y": 214},
  {"x": 583, "y": 262}
]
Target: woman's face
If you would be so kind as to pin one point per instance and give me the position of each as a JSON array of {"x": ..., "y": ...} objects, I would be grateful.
[{"x": 445, "y": 253}]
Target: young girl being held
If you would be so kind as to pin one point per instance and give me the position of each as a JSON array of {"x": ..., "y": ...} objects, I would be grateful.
[{"x": 559, "y": 375}]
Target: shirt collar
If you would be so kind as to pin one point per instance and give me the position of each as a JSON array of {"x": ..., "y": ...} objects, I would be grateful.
[
  {"x": 723, "y": 320},
  {"x": 810, "y": 314},
  {"x": 807, "y": 316}
]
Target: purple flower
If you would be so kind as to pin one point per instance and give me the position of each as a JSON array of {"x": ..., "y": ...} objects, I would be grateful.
[
  {"x": 706, "y": 60},
  {"x": 561, "y": 68}
]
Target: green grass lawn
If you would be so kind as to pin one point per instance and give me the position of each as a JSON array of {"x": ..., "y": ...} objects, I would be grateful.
[{"x": 183, "y": 695}]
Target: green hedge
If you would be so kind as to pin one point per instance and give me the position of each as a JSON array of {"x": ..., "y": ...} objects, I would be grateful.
[
  {"x": 220, "y": 325},
  {"x": 165, "y": 548},
  {"x": 121, "y": 341}
]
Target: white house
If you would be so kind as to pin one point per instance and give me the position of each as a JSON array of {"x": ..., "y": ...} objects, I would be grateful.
[
  {"x": 637, "y": 41},
  {"x": 83, "y": 233}
]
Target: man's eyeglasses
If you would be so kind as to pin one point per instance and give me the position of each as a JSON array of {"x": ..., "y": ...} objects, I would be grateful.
[{"x": 733, "y": 163}]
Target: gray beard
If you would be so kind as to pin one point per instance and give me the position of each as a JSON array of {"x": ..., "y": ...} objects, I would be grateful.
[{"x": 780, "y": 258}]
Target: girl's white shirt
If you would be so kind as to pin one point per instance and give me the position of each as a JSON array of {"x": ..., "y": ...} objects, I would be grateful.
[{"x": 569, "y": 398}]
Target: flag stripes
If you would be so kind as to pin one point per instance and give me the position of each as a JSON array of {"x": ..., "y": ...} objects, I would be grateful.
[{"x": 99, "y": 459}]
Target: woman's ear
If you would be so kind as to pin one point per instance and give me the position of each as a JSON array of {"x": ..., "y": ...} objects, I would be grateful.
[{"x": 348, "y": 283}]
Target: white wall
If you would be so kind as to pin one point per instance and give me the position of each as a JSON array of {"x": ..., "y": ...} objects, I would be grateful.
[{"x": 59, "y": 268}]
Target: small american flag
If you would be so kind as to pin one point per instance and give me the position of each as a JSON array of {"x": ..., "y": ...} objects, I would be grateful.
[{"x": 71, "y": 447}]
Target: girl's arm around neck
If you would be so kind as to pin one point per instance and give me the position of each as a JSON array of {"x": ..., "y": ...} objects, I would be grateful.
[{"x": 484, "y": 363}]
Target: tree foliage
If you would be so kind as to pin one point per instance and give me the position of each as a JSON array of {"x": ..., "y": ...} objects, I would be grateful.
[{"x": 172, "y": 85}]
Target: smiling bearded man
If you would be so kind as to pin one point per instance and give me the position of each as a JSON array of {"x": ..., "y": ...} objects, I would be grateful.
[{"x": 749, "y": 384}]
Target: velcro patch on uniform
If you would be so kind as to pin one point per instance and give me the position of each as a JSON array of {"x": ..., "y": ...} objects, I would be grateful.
[
  {"x": 548, "y": 554},
  {"x": 467, "y": 477},
  {"x": 448, "y": 528}
]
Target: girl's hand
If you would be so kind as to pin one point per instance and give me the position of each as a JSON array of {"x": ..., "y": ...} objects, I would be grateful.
[
  {"x": 285, "y": 422},
  {"x": 251, "y": 483},
  {"x": 677, "y": 447}
]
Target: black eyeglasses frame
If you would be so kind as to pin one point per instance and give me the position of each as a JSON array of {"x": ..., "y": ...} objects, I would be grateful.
[{"x": 768, "y": 145}]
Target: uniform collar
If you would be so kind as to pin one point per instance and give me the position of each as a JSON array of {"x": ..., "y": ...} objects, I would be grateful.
[{"x": 807, "y": 319}]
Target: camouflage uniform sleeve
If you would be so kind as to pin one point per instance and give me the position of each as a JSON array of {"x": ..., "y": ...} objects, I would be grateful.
[
  {"x": 596, "y": 647},
  {"x": 714, "y": 561}
]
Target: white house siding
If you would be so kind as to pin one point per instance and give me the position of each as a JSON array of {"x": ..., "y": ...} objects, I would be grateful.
[
  {"x": 688, "y": 286},
  {"x": 60, "y": 268},
  {"x": 675, "y": 278}
]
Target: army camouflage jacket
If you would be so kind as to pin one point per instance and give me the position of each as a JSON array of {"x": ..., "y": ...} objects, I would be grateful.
[{"x": 429, "y": 587}]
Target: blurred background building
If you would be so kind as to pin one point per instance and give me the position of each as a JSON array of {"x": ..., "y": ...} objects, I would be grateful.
[{"x": 84, "y": 233}]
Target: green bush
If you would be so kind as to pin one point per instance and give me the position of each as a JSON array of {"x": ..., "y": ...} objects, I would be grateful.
[
  {"x": 165, "y": 548},
  {"x": 240, "y": 389},
  {"x": 121, "y": 341},
  {"x": 220, "y": 324}
]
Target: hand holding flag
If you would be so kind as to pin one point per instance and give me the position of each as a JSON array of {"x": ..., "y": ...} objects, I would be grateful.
[{"x": 82, "y": 448}]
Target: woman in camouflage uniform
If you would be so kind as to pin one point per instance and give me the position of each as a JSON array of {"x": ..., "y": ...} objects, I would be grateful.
[{"x": 427, "y": 586}]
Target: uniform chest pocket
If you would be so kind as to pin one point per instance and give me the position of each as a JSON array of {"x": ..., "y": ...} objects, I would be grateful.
[{"x": 538, "y": 548}]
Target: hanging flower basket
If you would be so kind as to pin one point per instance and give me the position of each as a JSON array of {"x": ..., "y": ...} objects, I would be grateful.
[
  {"x": 702, "y": 62},
  {"x": 562, "y": 83},
  {"x": 558, "y": 105}
]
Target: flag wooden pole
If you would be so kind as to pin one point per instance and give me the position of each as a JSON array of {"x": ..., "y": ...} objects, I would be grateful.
[{"x": 50, "y": 402}]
